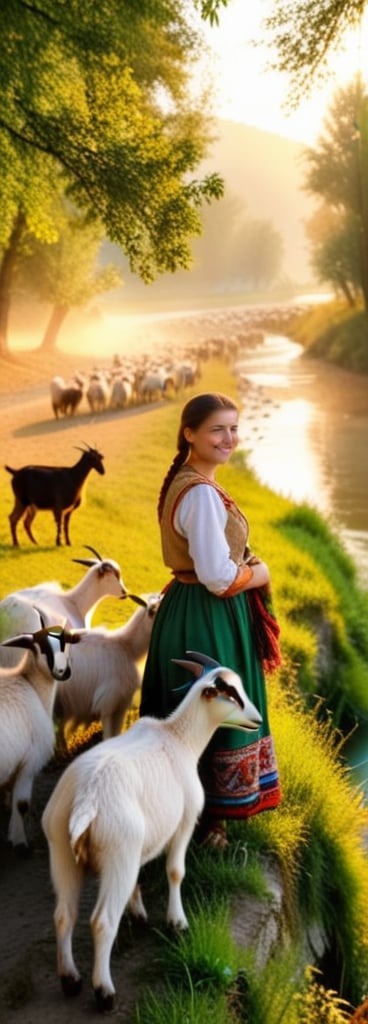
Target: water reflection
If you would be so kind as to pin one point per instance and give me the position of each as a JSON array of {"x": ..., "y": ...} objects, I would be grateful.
[
  {"x": 284, "y": 461},
  {"x": 305, "y": 426}
]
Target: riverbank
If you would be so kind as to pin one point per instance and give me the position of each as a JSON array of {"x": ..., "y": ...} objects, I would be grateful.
[
  {"x": 321, "y": 818},
  {"x": 336, "y": 333},
  {"x": 305, "y": 427}
]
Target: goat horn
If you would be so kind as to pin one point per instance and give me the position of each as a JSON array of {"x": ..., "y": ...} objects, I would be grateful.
[
  {"x": 138, "y": 600},
  {"x": 87, "y": 447},
  {"x": 94, "y": 552},
  {"x": 204, "y": 659},
  {"x": 192, "y": 666}
]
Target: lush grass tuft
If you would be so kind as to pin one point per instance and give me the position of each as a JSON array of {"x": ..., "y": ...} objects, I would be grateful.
[{"x": 317, "y": 834}]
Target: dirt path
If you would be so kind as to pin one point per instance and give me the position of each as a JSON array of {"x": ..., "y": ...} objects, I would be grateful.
[
  {"x": 30, "y": 992},
  {"x": 29, "y": 988}
]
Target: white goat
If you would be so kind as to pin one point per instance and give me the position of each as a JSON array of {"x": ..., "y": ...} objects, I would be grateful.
[
  {"x": 57, "y": 385},
  {"x": 121, "y": 393},
  {"x": 98, "y": 392},
  {"x": 120, "y": 804},
  {"x": 27, "y": 695},
  {"x": 104, "y": 672},
  {"x": 28, "y": 609}
]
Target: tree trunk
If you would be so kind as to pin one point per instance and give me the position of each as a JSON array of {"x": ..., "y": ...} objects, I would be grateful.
[
  {"x": 6, "y": 277},
  {"x": 350, "y": 298},
  {"x": 363, "y": 177},
  {"x": 48, "y": 343}
]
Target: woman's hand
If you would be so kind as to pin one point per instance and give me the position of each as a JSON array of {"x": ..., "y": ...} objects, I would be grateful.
[{"x": 260, "y": 576}]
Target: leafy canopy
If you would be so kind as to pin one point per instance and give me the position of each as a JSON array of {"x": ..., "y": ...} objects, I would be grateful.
[
  {"x": 94, "y": 98},
  {"x": 304, "y": 32}
]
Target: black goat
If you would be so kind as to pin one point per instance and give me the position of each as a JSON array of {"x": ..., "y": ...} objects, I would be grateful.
[
  {"x": 70, "y": 398},
  {"x": 58, "y": 489}
]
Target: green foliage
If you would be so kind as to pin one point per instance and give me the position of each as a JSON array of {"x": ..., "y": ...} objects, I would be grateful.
[
  {"x": 337, "y": 171},
  {"x": 304, "y": 40},
  {"x": 273, "y": 995},
  {"x": 344, "y": 343},
  {"x": 101, "y": 121},
  {"x": 337, "y": 257},
  {"x": 317, "y": 834},
  {"x": 320, "y": 1006},
  {"x": 181, "y": 1007},
  {"x": 204, "y": 957},
  {"x": 335, "y": 600},
  {"x": 95, "y": 107},
  {"x": 64, "y": 273},
  {"x": 335, "y": 333},
  {"x": 320, "y": 607}
]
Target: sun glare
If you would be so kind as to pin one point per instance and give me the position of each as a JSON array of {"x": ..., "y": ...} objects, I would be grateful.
[{"x": 246, "y": 90}]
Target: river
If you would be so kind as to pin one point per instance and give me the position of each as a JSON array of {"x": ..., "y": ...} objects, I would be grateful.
[{"x": 305, "y": 427}]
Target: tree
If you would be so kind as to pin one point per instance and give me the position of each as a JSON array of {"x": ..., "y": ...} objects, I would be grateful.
[
  {"x": 304, "y": 34},
  {"x": 94, "y": 99},
  {"x": 65, "y": 273},
  {"x": 336, "y": 251},
  {"x": 257, "y": 253},
  {"x": 337, "y": 172}
]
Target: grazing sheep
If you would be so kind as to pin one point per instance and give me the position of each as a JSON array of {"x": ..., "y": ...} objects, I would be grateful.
[
  {"x": 56, "y": 488},
  {"x": 151, "y": 386},
  {"x": 121, "y": 393},
  {"x": 57, "y": 386},
  {"x": 27, "y": 694},
  {"x": 125, "y": 801},
  {"x": 104, "y": 672},
  {"x": 98, "y": 392}
]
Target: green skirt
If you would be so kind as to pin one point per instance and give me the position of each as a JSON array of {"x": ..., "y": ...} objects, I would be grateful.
[{"x": 239, "y": 773}]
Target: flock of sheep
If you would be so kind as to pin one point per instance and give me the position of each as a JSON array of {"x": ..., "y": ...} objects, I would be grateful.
[
  {"x": 123, "y": 384},
  {"x": 146, "y": 377},
  {"x": 137, "y": 793}
]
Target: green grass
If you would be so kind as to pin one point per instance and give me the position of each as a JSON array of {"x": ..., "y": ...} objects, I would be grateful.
[
  {"x": 317, "y": 835},
  {"x": 334, "y": 332}
]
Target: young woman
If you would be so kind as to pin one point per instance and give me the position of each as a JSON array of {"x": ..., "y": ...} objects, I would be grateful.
[{"x": 207, "y": 608}]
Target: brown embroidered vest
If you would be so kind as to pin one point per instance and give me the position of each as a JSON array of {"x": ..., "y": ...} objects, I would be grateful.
[{"x": 174, "y": 547}]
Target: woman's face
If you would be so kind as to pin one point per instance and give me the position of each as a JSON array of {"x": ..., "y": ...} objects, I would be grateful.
[{"x": 212, "y": 443}]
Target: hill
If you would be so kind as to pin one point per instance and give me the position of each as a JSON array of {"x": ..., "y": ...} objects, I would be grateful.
[
  {"x": 264, "y": 173},
  {"x": 267, "y": 171}
]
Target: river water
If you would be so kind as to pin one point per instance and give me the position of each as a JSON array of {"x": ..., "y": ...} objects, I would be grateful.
[{"x": 305, "y": 427}]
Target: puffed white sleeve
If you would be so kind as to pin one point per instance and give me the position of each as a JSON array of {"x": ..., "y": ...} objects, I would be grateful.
[{"x": 201, "y": 518}]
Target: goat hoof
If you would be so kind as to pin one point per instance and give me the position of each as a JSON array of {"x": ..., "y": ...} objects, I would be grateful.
[
  {"x": 105, "y": 1004},
  {"x": 71, "y": 986}
]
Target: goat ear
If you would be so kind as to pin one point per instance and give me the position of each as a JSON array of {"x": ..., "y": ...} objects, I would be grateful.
[
  {"x": 23, "y": 640},
  {"x": 94, "y": 552},
  {"x": 192, "y": 666},
  {"x": 72, "y": 637}
]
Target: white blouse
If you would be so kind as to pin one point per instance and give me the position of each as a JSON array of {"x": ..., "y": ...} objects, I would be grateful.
[{"x": 201, "y": 517}]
